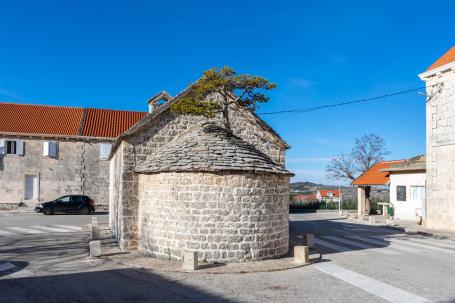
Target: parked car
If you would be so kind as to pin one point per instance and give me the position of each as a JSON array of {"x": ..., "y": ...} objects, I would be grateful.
[{"x": 67, "y": 204}]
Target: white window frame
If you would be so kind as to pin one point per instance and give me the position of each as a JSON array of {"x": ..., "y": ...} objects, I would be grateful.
[
  {"x": 405, "y": 193},
  {"x": 421, "y": 192},
  {"x": 50, "y": 149},
  {"x": 105, "y": 150},
  {"x": 18, "y": 147}
]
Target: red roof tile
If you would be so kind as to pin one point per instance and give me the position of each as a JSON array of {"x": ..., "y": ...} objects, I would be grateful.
[
  {"x": 375, "y": 175},
  {"x": 109, "y": 123},
  {"x": 65, "y": 121},
  {"x": 39, "y": 119},
  {"x": 310, "y": 197},
  {"x": 447, "y": 58},
  {"x": 325, "y": 192}
]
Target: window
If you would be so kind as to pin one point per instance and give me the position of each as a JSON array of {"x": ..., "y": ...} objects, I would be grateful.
[
  {"x": 105, "y": 150},
  {"x": 50, "y": 149},
  {"x": 401, "y": 193},
  {"x": 77, "y": 199},
  {"x": 11, "y": 147},
  {"x": 65, "y": 199},
  {"x": 417, "y": 193}
]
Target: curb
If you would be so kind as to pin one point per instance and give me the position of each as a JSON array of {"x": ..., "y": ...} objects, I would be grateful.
[{"x": 408, "y": 230}]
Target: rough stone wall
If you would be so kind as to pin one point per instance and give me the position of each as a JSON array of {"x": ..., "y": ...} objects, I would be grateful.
[
  {"x": 440, "y": 184},
  {"x": 115, "y": 193},
  {"x": 76, "y": 170},
  {"x": 224, "y": 217},
  {"x": 137, "y": 147}
]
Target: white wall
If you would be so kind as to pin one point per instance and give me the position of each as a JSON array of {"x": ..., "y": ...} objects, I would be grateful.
[{"x": 406, "y": 210}]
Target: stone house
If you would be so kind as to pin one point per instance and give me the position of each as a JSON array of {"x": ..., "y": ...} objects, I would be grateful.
[
  {"x": 50, "y": 151},
  {"x": 440, "y": 135},
  {"x": 181, "y": 182}
]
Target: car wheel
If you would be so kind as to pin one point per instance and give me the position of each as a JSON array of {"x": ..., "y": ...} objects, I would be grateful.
[
  {"x": 47, "y": 211},
  {"x": 85, "y": 211}
]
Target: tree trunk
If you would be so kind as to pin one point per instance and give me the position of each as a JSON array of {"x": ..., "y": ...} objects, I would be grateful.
[
  {"x": 227, "y": 123},
  {"x": 368, "y": 209}
]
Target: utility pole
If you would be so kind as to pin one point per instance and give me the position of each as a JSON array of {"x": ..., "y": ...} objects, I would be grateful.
[{"x": 340, "y": 197}]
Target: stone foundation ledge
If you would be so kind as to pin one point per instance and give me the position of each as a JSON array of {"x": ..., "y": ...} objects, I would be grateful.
[{"x": 138, "y": 260}]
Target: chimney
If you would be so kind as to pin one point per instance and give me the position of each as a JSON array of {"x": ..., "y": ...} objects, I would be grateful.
[{"x": 159, "y": 99}]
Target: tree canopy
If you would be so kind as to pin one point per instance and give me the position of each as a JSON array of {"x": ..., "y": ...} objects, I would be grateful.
[
  {"x": 366, "y": 152},
  {"x": 245, "y": 90}
]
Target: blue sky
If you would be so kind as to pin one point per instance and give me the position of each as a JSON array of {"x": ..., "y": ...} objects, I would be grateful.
[{"x": 116, "y": 54}]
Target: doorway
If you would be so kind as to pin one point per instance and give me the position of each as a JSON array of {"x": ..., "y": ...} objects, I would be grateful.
[{"x": 31, "y": 187}]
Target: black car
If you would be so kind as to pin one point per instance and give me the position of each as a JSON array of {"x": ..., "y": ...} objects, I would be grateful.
[{"x": 67, "y": 204}]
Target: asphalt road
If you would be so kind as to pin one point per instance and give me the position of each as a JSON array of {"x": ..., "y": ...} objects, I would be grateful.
[{"x": 360, "y": 264}]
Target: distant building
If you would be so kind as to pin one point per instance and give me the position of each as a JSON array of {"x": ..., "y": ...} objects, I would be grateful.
[
  {"x": 305, "y": 198},
  {"x": 329, "y": 195}
]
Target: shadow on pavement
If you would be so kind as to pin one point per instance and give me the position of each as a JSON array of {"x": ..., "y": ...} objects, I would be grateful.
[
  {"x": 338, "y": 233},
  {"x": 118, "y": 285}
]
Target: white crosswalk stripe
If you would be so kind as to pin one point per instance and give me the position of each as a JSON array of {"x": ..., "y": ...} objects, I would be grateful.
[
  {"x": 380, "y": 250},
  {"x": 418, "y": 245},
  {"x": 441, "y": 243},
  {"x": 335, "y": 247},
  {"x": 53, "y": 229},
  {"x": 382, "y": 243},
  {"x": 38, "y": 229},
  {"x": 26, "y": 230},
  {"x": 69, "y": 227},
  {"x": 5, "y": 233}
]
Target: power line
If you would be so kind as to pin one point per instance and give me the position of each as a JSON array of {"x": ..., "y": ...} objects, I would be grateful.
[{"x": 310, "y": 109}]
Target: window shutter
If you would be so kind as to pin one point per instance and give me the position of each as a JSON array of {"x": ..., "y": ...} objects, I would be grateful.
[
  {"x": 105, "y": 150},
  {"x": 2, "y": 147},
  {"x": 45, "y": 149},
  {"x": 53, "y": 149},
  {"x": 20, "y": 147}
]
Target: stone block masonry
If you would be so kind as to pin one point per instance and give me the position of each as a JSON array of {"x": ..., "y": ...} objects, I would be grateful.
[
  {"x": 159, "y": 131},
  {"x": 223, "y": 216},
  {"x": 440, "y": 181},
  {"x": 77, "y": 169}
]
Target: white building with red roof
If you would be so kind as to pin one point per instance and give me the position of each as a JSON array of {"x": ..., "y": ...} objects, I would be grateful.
[
  {"x": 51, "y": 151},
  {"x": 329, "y": 195}
]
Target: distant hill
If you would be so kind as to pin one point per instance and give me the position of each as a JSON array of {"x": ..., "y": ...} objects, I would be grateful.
[{"x": 349, "y": 192}]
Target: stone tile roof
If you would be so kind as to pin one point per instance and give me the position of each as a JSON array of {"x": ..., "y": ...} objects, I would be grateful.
[
  {"x": 144, "y": 123},
  {"x": 447, "y": 58},
  {"x": 417, "y": 163},
  {"x": 31, "y": 119},
  {"x": 209, "y": 148}
]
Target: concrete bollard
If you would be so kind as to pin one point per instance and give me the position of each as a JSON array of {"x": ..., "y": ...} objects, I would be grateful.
[
  {"x": 95, "y": 229},
  {"x": 340, "y": 213},
  {"x": 361, "y": 218},
  {"x": 372, "y": 220},
  {"x": 190, "y": 261},
  {"x": 389, "y": 222},
  {"x": 95, "y": 248},
  {"x": 308, "y": 240},
  {"x": 301, "y": 254}
]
